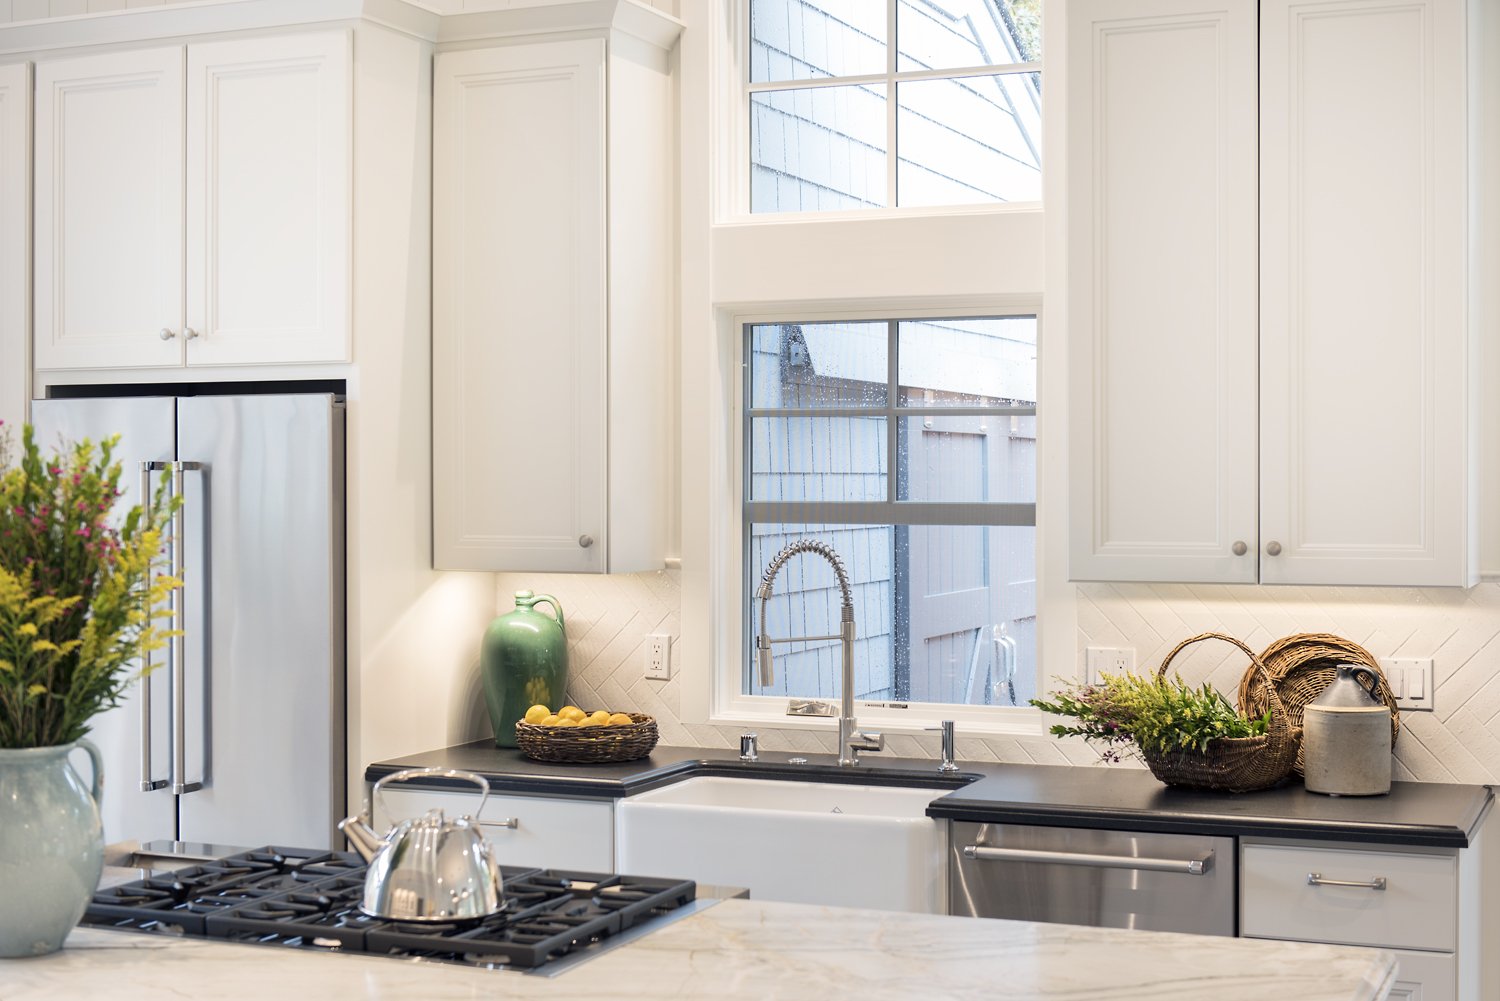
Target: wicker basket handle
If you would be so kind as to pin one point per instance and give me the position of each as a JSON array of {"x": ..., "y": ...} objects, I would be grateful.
[{"x": 1273, "y": 700}]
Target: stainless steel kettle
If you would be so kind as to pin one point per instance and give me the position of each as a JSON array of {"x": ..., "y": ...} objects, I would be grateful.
[{"x": 427, "y": 868}]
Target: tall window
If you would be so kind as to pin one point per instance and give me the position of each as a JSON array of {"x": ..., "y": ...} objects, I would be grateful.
[
  {"x": 909, "y": 446},
  {"x": 879, "y": 103}
]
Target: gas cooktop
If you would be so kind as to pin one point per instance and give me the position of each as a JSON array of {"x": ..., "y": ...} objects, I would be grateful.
[{"x": 305, "y": 899}]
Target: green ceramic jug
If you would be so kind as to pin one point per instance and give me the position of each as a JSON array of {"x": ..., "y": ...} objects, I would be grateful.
[{"x": 523, "y": 662}]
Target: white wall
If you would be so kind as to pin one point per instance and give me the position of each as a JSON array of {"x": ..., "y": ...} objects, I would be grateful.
[{"x": 413, "y": 632}]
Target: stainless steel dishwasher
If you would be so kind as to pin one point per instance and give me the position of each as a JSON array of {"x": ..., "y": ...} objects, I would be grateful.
[{"x": 1083, "y": 876}]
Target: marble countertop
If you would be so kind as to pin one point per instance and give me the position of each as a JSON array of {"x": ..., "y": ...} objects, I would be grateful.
[
  {"x": 1414, "y": 813},
  {"x": 742, "y": 949}
]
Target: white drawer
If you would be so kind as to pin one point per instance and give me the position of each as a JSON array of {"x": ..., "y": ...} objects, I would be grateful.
[
  {"x": 1417, "y": 909},
  {"x": 550, "y": 833}
]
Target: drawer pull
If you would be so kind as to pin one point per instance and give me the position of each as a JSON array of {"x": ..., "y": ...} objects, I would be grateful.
[
  {"x": 509, "y": 822},
  {"x": 1192, "y": 867},
  {"x": 1316, "y": 879}
]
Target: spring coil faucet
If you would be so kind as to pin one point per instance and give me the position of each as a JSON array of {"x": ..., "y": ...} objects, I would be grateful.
[{"x": 851, "y": 740}]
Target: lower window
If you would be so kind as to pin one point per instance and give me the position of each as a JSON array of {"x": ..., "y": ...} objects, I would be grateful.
[{"x": 908, "y": 447}]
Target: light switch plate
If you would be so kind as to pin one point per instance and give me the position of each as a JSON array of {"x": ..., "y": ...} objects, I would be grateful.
[
  {"x": 1411, "y": 681},
  {"x": 1099, "y": 660}
]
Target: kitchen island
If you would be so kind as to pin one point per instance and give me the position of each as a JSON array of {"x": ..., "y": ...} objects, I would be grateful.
[{"x": 741, "y": 949}]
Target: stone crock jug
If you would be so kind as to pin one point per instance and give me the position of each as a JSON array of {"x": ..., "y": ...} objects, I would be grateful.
[
  {"x": 1346, "y": 737},
  {"x": 523, "y": 662}
]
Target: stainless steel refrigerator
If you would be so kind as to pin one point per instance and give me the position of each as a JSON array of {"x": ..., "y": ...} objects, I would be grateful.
[{"x": 237, "y": 736}]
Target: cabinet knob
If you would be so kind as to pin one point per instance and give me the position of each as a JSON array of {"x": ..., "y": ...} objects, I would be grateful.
[
  {"x": 166, "y": 334},
  {"x": 585, "y": 541},
  {"x": 1239, "y": 549},
  {"x": 1273, "y": 549},
  {"x": 189, "y": 333}
]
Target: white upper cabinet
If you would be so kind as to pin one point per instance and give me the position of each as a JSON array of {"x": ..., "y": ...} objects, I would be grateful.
[
  {"x": 1275, "y": 392},
  {"x": 1366, "y": 429},
  {"x": 15, "y": 196},
  {"x": 268, "y": 200},
  {"x": 1162, "y": 292},
  {"x": 552, "y": 175},
  {"x": 233, "y": 247},
  {"x": 109, "y": 269}
]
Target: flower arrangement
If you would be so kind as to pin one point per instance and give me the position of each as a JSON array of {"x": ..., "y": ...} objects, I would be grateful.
[
  {"x": 80, "y": 592},
  {"x": 1127, "y": 713}
]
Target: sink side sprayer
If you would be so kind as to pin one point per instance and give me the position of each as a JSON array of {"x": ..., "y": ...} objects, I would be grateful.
[{"x": 851, "y": 740}]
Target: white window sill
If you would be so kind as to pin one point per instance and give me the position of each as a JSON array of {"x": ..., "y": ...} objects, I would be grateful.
[{"x": 988, "y": 722}]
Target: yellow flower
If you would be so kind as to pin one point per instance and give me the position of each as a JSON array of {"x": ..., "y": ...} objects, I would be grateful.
[
  {"x": 27, "y": 629},
  {"x": 37, "y": 690},
  {"x": 42, "y": 646}
]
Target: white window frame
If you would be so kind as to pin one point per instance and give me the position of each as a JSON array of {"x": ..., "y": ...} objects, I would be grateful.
[
  {"x": 738, "y": 269},
  {"x": 733, "y": 704},
  {"x": 734, "y": 147}
]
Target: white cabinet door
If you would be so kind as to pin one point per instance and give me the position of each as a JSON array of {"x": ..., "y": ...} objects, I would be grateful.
[
  {"x": 1365, "y": 401},
  {"x": 268, "y": 200},
  {"x": 519, "y": 329},
  {"x": 540, "y": 831},
  {"x": 1161, "y": 185},
  {"x": 108, "y": 210},
  {"x": 15, "y": 250}
]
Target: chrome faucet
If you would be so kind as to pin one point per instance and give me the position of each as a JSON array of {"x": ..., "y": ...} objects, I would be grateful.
[{"x": 851, "y": 739}]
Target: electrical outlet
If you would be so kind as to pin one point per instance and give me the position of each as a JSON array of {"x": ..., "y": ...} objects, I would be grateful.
[
  {"x": 659, "y": 657},
  {"x": 1410, "y": 680},
  {"x": 1099, "y": 660}
]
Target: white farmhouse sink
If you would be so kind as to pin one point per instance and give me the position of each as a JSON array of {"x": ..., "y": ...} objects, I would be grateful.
[{"x": 806, "y": 842}]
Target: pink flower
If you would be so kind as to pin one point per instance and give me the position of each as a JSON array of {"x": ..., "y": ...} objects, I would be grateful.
[{"x": 83, "y": 531}]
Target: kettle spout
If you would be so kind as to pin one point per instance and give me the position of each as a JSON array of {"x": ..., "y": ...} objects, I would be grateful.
[{"x": 361, "y": 837}]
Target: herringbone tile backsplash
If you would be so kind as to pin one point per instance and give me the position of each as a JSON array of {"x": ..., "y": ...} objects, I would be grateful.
[{"x": 608, "y": 618}]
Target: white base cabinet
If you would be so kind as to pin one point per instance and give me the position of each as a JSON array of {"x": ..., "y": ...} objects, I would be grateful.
[
  {"x": 523, "y": 830},
  {"x": 552, "y": 255},
  {"x": 1424, "y": 904},
  {"x": 232, "y": 247}
]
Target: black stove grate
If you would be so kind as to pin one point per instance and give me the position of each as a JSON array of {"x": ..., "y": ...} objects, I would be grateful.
[{"x": 304, "y": 899}]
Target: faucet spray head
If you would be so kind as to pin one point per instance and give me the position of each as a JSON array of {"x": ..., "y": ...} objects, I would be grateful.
[{"x": 767, "y": 667}]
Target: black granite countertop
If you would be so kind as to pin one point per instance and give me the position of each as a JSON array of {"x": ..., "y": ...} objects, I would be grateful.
[{"x": 1414, "y": 813}]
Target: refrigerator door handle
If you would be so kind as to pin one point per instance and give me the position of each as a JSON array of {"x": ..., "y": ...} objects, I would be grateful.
[
  {"x": 149, "y": 783},
  {"x": 177, "y": 647}
]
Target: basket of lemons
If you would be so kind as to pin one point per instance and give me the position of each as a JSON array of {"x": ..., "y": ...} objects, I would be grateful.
[{"x": 572, "y": 735}]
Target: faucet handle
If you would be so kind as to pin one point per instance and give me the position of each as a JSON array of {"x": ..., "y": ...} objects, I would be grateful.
[
  {"x": 748, "y": 748},
  {"x": 948, "y": 764}
]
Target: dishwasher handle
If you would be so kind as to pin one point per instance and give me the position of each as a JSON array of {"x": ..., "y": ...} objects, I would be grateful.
[{"x": 1191, "y": 867}]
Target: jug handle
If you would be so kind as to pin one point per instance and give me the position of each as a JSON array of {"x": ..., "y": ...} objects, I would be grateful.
[
  {"x": 97, "y": 789},
  {"x": 556, "y": 608},
  {"x": 447, "y": 773},
  {"x": 1373, "y": 688}
]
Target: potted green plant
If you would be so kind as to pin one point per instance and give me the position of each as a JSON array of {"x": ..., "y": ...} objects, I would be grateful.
[
  {"x": 81, "y": 599},
  {"x": 1188, "y": 736}
]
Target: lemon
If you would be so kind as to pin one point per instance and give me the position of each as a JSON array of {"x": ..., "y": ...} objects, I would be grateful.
[
  {"x": 537, "y": 714},
  {"x": 620, "y": 719},
  {"x": 589, "y": 721},
  {"x": 571, "y": 712},
  {"x": 599, "y": 717},
  {"x": 566, "y": 722},
  {"x": 552, "y": 719}
]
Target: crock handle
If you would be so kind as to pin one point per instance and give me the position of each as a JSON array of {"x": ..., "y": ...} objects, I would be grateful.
[{"x": 97, "y": 790}]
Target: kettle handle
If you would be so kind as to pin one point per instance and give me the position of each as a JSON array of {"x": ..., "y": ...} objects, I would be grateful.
[
  {"x": 556, "y": 608},
  {"x": 1373, "y": 688},
  {"x": 447, "y": 773}
]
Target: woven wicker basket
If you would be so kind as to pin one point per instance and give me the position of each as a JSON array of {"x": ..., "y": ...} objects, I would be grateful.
[
  {"x": 588, "y": 744},
  {"x": 1300, "y": 667},
  {"x": 1231, "y": 764}
]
